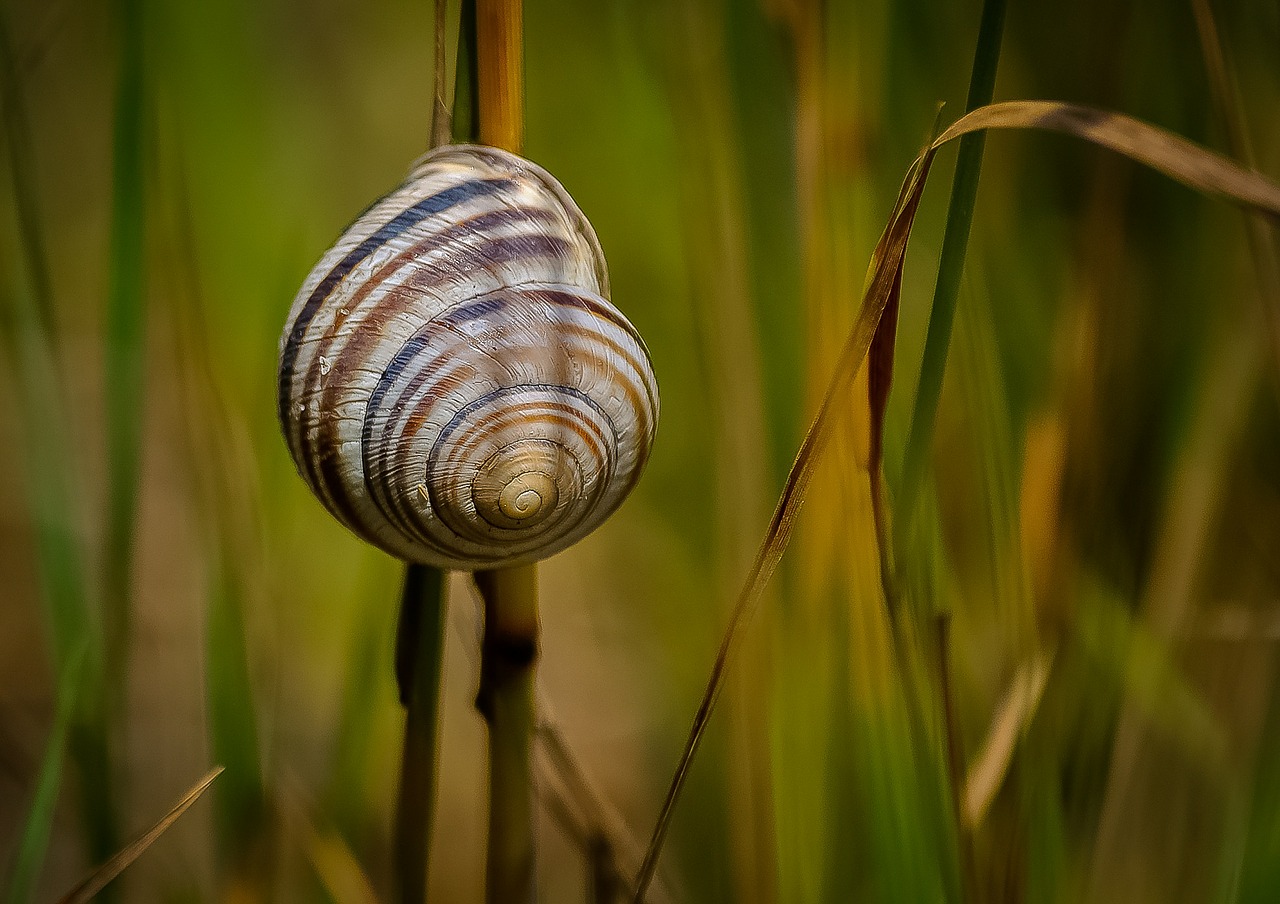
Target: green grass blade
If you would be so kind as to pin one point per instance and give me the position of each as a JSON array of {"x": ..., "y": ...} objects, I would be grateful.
[
  {"x": 126, "y": 335},
  {"x": 22, "y": 168},
  {"x": 28, "y": 333},
  {"x": 36, "y": 831},
  {"x": 955, "y": 240}
]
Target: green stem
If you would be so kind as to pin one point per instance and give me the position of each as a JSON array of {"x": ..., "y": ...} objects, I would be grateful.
[
  {"x": 420, "y": 633},
  {"x": 508, "y": 657},
  {"x": 125, "y": 355},
  {"x": 419, "y": 657},
  {"x": 466, "y": 90},
  {"x": 955, "y": 240}
]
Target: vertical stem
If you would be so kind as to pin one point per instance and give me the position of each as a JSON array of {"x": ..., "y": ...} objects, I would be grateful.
[
  {"x": 508, "y": 656},
  {"x": 419, "y": 657},
  {"x": 955, "y": 240},
  {"x": 509, "y": 651},
  {"x": 441, "y": 119},
  {"x": 466, "y": 82},
  {"x": 500, "y": 36},
  {"x": 420, "y": 632}
]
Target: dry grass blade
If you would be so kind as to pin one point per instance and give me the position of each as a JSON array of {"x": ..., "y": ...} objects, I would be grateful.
[
  {"x": 120, "y": 862},
  {"x": 886, "y": 264},
  {"x": 1176, "y": 157},
  {"x": 1008, "y": 725},
  {"x": 880, "y": 374},
  {"x": 1179, "y": 159},
  {"x": 571, "y": 796}
]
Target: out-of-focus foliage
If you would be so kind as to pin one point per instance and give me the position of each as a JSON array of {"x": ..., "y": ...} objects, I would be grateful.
[{"x": 1098, "y": 525}]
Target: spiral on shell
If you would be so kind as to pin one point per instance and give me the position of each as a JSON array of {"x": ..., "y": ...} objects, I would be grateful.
[{"x": 455, "y": 385}]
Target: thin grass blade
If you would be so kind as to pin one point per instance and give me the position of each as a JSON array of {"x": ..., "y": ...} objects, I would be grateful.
[
  {"x": 120, "y": 862},
  {"x": 1181, "y": 160},
  {"x": 955, "y": 241},
  {"x": 27, "y": 327},
  {"x": 886, "y": 264},
  {"x": 1176, "y": 157},
  {"x": 35, "y": 833},
  {"x": 125, "y": 377}
]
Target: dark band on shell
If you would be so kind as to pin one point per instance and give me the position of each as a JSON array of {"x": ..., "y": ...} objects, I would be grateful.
[{"x": 455, "y": 385}]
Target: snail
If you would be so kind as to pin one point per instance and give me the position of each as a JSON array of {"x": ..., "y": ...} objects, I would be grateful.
[{"x": 455, "y": 385}]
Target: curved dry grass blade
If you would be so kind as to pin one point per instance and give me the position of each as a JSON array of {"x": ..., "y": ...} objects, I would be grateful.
[
  {"x": 1010, "y": 722},
  {"x": 886, "y": 264},
  {"x": 1164, "y": 152},
  {"x": 121, "y": 861},
  {"x": 879, "y": 382},
  {"x": 1179, "y": 159}
]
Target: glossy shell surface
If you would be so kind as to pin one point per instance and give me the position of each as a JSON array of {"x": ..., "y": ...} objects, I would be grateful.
[{"x": 455, "y": 385}]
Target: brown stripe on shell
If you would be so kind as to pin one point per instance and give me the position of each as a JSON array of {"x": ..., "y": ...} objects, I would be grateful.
[
  {"x": 355, "y": 353},
  {"x": 544, "y": 258}
]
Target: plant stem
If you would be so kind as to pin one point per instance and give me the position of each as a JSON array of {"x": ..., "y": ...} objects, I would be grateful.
[
  {"x": 441, "y": 118},
  {"x": 466, "y": 88},
  {"x": 508, "y": 655},
  {"x": 499, "y": 36},
  {"x": 509, "y": 652},
  {"x": 955, "y": 240},
  {"x": 420, "y": 632},
  {"x": 419, "y": 647}
]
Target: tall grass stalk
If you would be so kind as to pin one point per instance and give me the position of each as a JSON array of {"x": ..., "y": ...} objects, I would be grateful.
[
  {"x": 125, "y": 350},
  {"x": 509, "y": 650},
  {"x": 29, "y": 331},
  {"x": 420, "y": 632},
  {"x": 419, "y": 657},
  {"x": 955, "y": 241},
  {"x": 508, "y": 655}
]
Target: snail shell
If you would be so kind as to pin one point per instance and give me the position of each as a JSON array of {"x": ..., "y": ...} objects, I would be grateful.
[{"x": 455, "y": 385}]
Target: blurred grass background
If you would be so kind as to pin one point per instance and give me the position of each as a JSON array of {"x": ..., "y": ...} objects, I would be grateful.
[{"x": 1099, "y": 524}]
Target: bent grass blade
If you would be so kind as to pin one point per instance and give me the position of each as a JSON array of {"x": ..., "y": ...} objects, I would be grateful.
[{"x": 1175, "y": 157}]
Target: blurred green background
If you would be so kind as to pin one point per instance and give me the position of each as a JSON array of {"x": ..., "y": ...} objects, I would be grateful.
[{"x": 1100, "y": 528}]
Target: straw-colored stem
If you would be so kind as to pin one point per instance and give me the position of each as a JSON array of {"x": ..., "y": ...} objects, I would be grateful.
[
  {"x": 419, "y": 656},
  {"x": 509, "y": 651},
  {"x": 500, "y": 39},
  {"x": 508, "y": 656}
]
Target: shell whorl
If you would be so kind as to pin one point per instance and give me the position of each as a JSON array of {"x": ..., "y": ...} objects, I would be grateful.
[{"x": 455, "y": 385}]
